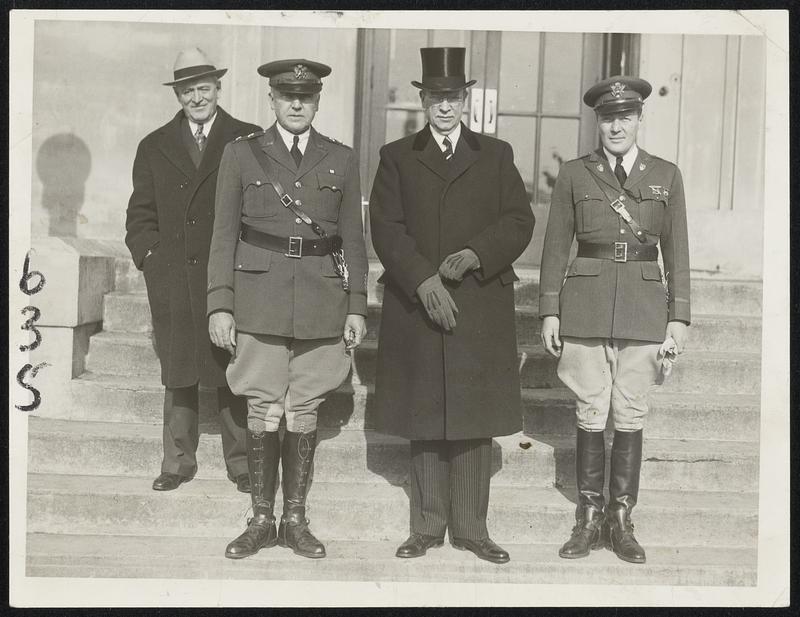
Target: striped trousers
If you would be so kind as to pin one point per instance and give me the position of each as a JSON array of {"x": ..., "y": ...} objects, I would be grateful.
[{"x": 450, "y": 487}]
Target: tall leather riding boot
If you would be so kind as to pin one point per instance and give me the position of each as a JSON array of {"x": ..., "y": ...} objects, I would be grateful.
[
  {"x": 263, "y": 454},
  {"x": 626, "y": 463},
  {"x": 590, "y": 466},
  {"x": 298, "y": 459}
]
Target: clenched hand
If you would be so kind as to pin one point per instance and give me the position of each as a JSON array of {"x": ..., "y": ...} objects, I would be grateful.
[
  {"x": 437, "y": 302},
  {"x": 222, "y": 330},
  {"x": 456, "y": 265},
  {"x": 355, "y": 329}
]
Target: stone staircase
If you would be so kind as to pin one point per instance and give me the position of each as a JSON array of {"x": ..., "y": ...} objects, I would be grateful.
[{"x": 91, "y": 511}]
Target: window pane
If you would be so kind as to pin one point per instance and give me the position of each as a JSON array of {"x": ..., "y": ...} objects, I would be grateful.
[
  {"x": 405, "y": 65},
  {"x": 520, "y": 132},
  {"x": 559, "y": 144},
  {"x": 400, "y": 123},
  {"x": 519, "y": 71},
  {"x": 561, "y": 86}
]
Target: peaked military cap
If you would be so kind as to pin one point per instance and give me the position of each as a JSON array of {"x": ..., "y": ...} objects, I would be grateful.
[
  {"x": 618, "y": 93},
  {"x": 297, "y": 76}
]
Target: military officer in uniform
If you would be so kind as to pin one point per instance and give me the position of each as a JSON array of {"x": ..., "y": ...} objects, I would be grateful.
[
  {"x": 286, "y": 292},
  {"x": 615, "y": 317},
  {"x": 169, "y": 222},
  {"x": 449, "y": 216}
]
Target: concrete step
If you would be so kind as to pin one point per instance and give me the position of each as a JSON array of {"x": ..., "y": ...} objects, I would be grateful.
[
  {"x": 368, "y": 457},
  {"x": 97, "y": 504},
  {"x": 123, "y": 312},
  {"x": 549, "y": 411},
  {"x": 123, "y": 353},
  {"x": 124, "y": 556}
]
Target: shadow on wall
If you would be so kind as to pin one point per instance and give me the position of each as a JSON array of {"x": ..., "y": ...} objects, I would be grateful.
[{"x": 63, "y": 164}]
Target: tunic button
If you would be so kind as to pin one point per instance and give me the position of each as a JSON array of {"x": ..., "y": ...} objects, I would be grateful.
[
  {"x": 297, "y": 202},
  {"x": 622, "y": 231},
  {"x": 298, "y": 220},
  {"x": 297, "y": 184},
  {"x": 258, "y": 182}
]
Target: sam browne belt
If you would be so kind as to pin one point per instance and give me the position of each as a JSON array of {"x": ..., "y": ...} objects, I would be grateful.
[
  {"x": 618, "y": 251},
  {"x": 293, "y": 246}
]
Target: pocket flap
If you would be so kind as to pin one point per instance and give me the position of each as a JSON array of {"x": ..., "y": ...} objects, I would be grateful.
[
  {"x": 654, "y": 193},
  {"x": 508, "y": 276},
  {"x": 585, "y": 266},
  {"x": 255, "y": 182},
  {"x": 651, "y": 271},
  {"x": 327, "y": 180},
  {"x": 251, "y": 258}
]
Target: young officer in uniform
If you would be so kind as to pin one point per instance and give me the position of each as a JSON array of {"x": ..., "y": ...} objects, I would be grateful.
[
  {"x": 608, "y": 322},
  {"x": 279, "y": 295}
]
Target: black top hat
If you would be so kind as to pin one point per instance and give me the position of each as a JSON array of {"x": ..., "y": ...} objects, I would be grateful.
[{"x": 443, "y": 69}]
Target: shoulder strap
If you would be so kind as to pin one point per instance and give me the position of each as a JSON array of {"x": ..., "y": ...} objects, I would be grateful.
[
  {"x": 285, "y": 198},
  {"x": 616, "y": 203}
]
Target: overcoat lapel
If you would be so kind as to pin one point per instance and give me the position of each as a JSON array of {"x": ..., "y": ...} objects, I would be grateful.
[
  {"x": 171, "y": 145},
  {"x": 315, "y": 152},
  {"x": 430, "y": 155},
  {"x": 220, "y": 135},
  {"x": 467, "y": 152},
  {"x": 273, "y": 146}
]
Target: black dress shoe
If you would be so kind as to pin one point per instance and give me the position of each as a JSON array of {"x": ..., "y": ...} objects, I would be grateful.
[
  {"x": 243, "y": 483},
  {"x": 298, "y": 537},
  {"x": 418, "y": 544},
  {"x": 168, "y": 481},
  {"x": 260, "y": 533},
  {"x": 483, "y": 549}
]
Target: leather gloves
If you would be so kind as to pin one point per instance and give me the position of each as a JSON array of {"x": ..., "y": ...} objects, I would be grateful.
[
  {"x": 456, "y": 265},
  {"x": 437, "y": 302}
]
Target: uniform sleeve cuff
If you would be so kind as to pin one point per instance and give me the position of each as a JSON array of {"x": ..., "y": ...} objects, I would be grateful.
[
  {"x": 679, "y": 310},
  {"x": 219, "y": 299},
  {"x": 548, "y": 305},
  {"x": 358, "y": 304}
]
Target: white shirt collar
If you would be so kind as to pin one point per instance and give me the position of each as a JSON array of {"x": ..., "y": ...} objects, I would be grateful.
[
  {"x": 628, "y": 159},
  {"x": 206, "y": 125},
  {"x": 288, "y": 138},
  {"x": 453, "y": 136}
]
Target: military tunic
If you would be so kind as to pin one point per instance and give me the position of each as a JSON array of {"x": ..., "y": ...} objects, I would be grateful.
[{"x": 600, "y": 297}]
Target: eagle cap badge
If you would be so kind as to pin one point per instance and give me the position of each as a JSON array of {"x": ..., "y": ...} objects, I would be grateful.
[
  {"x": 300, "y": 71},
  {"x": 617, "y": 88}
]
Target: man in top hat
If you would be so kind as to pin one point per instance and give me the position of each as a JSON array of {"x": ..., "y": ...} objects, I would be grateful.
[
  {"x": 286, "y": 293},
  {"x": 169, "y": 222},
  {"x": 449, "y": 214},
  {"x": 614, "y": 323}
]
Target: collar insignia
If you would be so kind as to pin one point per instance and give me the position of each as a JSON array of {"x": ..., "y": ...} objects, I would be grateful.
[
  {"x": 642, "y": 166},
  {"x": 300, "y": 71},
  {"x": 617, "y": 88},
  {"x": 600, "y": 167}
]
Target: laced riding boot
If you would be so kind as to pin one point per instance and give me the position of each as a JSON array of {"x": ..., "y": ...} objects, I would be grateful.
[
  {"x": 626, "y": 463},
  {"x": 298, "y": 459},
  {"x": 590, "y": 464},
  {"x": 263, "y": 454}
]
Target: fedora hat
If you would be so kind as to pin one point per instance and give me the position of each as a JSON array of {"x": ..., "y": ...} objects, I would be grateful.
[
  {"x": 193, "y": 64},
  {"x": 443, "y": 69}
]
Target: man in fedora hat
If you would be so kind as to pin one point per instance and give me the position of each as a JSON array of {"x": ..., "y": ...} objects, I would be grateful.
[
  {"x": 449, "y": 215},
  {"x": 613, "y": 323},
  {"x": 286, "y": 293},
  {"x": 169, "y": 221}
]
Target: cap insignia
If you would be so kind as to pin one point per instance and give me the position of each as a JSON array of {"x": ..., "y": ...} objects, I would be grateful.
[
  {"x": 300, "y": 71},
  {"x": 617, "y": 88}
]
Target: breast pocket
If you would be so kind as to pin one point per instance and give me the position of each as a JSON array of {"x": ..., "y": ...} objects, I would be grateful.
[
  {"x": 652, "y": 209},
  {"x": 259, "y": 198},
  {"x": 331, "y": 189},
  {"x": 588, "y": 211}
]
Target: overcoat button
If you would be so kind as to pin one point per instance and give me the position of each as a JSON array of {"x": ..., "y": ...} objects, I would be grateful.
[{"x": 191, "y": 222}]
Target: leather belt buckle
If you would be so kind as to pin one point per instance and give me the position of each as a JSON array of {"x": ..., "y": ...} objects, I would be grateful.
[
  {"x": 286, "y": 200},
  {"x": 621, "y": 252},
  {"x": 295, "y": 247}
]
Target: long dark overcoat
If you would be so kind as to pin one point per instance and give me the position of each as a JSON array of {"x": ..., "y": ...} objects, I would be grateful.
[
  {"x": 464, "y": 384},
  {"x": 171, "y": 212}
]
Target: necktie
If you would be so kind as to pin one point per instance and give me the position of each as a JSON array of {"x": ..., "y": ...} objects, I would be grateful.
[
  {"x": 200, "y": 138},
  {"x": 295, "y": 151},
  {"x": 448, "y": 149},
  {"x": 619, "y": 172}
]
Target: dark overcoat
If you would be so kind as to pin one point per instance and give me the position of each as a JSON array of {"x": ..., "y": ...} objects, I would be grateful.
[
  {"x": 604, "y": 298},
  {"x": 465, "y": 384},
  {"x": 171, "y": 213},
  {"x": 267, "y": 292}
]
